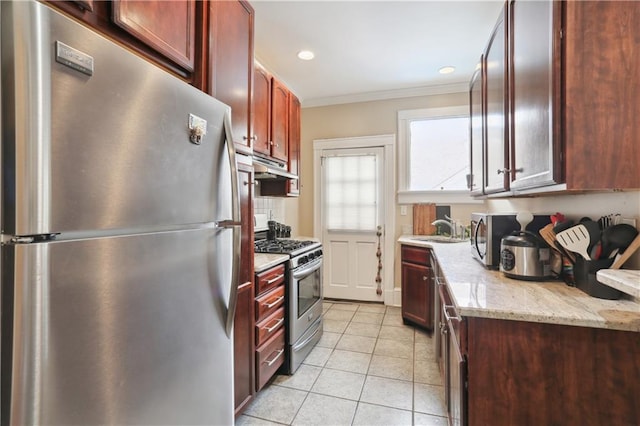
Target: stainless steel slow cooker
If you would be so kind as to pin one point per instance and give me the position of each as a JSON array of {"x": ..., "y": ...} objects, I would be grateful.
[{"x": 524, "y": 256}]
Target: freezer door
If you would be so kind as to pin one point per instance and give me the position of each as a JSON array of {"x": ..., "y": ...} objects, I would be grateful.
[
  {"x": 110, "y": 150},
  {"x": 122, "y": 330}
]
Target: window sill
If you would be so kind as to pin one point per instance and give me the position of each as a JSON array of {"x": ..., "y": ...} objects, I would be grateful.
[{"x": 440, "y": 197}]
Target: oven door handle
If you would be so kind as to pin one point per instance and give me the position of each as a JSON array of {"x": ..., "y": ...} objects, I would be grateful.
[
  {"x": 307, "y": 340},
  {"x": 301, "y": 273}
]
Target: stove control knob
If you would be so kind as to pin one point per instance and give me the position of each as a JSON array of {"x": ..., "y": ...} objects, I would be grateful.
[
  {"x": 302, "y": 260},
  {"x": 312, "y": 256}
]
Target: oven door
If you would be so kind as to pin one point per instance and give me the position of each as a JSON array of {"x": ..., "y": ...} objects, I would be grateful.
[{"x": 305, "y": 303}]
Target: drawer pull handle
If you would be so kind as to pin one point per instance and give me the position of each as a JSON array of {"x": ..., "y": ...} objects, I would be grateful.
[
  {"x": 448, "y": 316},
  {"x": 273, "y": 280},
  {"x": 274, "y": 303},
  {"x": 276, "y": 325},
  {"x": 275, "y": 358}
]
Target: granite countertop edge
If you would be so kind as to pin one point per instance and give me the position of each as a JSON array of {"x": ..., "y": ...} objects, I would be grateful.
[
  {"x": 483, "y": 293},
  {"x": 264, "y": 261},
  {"x": 625, "y": 280}
]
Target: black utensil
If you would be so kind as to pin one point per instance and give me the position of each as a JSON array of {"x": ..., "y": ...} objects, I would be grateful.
[
  {"x": 594, "y": 232},
  {"x": 561, "y": 226},
  {"x": 617, "y": 237}
]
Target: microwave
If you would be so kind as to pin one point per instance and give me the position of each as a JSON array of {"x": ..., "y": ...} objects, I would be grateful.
[{"x": 487, "y": 230}]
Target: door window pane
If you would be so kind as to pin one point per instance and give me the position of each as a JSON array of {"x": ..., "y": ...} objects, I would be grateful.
[{"x": 351, "y": 192}]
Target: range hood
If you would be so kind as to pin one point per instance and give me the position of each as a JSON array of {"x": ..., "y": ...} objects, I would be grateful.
[{"x": 266, "y": 169}]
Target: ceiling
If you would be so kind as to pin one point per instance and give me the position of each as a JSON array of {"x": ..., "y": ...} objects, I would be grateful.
[{"x": 368, "y": 50}]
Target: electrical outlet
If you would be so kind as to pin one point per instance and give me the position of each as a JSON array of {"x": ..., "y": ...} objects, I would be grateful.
[{"x": 403, "y": 210}]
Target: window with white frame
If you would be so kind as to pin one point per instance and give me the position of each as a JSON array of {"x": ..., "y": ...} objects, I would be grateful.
[{"x": 433, "y": 160}]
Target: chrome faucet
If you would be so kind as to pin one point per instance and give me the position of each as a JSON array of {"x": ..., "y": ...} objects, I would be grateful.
[{"x": 449, "y": 222}]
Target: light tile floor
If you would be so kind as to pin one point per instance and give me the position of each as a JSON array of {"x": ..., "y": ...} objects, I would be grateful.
[{"x": 368, "y": 369}]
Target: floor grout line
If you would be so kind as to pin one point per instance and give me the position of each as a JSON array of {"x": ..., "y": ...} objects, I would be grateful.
[{"x": 358, "y": 403}]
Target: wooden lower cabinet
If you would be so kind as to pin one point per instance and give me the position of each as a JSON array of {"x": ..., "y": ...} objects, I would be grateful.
[
  {"x": 524, "y": 373},
  {"x": 244, "y": 348},
  {"x": 450, "y": 355},
  {"x": 417, "y": 286},
  {"x": 243, "y": 332},
  {"x": 269, "y": 324}
]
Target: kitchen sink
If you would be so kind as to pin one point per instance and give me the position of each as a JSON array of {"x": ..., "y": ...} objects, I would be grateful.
[{"x": 438, "y": 239}]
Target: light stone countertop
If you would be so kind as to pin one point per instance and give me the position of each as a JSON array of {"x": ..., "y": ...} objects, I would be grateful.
[
  {"x": 264, "y": 261},
  {"x": 479, "y": 292},
  {"x": 625, "y": 280}
]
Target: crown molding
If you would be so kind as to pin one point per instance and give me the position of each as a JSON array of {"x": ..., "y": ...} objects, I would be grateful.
[{"x": 387, "y": 94}]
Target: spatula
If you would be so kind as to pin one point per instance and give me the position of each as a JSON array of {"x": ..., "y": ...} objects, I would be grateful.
[{"x": 575, "y": 239}]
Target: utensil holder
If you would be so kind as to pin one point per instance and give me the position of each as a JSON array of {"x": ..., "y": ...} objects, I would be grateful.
[{"x": 585, "y": 278}]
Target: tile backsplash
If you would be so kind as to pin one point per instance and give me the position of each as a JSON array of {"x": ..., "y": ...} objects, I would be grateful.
[{"x": 271, "y": 206}]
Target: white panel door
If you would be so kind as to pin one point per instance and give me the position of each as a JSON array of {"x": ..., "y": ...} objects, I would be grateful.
[{"x": 352, "y": 210}]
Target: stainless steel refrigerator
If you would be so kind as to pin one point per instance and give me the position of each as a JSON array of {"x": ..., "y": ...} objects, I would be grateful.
[{"x": 120, "y": 237}]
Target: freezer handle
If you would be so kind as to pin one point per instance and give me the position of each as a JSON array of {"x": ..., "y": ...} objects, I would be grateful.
[{"x": 234, "y": 224}]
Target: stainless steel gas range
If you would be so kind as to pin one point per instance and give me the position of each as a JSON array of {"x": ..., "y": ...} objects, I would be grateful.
[{"x": 304, "y": 293}]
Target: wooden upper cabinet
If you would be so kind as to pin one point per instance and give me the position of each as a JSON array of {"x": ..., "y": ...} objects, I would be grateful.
[
  {"x": 294, "y": 144},
  {"x": 496, "y": 112},
  {"x": 169, "y": 27},
  {"x": 231, "y": 64},
  {"x": 261, "y": 110},
  {"x": 534, "y": 78},
  {"x": 476, "y": 131},
  {"x": 288, "y": 187},
  {"x": 572, "y": 97},
  {"x": 279, "y": 121},
  {"x": 172, "y": 34},
  {"x": 601, "y": 95}
]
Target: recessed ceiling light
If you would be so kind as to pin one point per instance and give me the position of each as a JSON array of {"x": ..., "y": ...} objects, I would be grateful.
[
  {"x": 306, "y": 55},
  {"x": 446, "y": 70}
]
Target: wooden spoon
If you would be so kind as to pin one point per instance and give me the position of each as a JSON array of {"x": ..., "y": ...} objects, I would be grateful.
[
  {"x": 549, "y": 235},
  {"x": 635, "y": 245}
]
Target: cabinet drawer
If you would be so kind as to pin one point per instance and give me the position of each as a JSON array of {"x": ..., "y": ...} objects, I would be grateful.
[
  {"x": 415, "y": 255},
  {"x": 269, "y": 357},
  {"x": 269, "y": 326},
  {"x": 269, "y": 302},
  {"x": 269, "y": 279}
]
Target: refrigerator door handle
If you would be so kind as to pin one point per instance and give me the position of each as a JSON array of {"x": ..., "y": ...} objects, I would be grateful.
[
  {"x": 234, "y": 222},
  {"x": 227, "y": 224}
]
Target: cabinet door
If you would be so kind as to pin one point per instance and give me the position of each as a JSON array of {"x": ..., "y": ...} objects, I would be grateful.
[
  {"x": 279, "y": 121},
  {"x": 417, "y": 301},
  {"x": 231, "y": 30},
  {"x": 170, "y": 34},
  {"x": 476, "y": 132},
  {"x": 244, "y": 326},
  {"x": 244, "y": 348},
  {"x": 294, "y": 144},
  {"x": 261, "y": 110},
  {"x": 456, "y": 379},
  {"x": 245, "y": 192},
  {"x": 602, "y": 65},
  {"x": 535, "y": 142},
  {"x": 169, "y": 27},
  {"x": 496, "y": 113}
]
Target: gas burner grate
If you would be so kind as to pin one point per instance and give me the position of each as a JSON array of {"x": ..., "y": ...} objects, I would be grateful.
[{"x": 280, "y": 245}]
